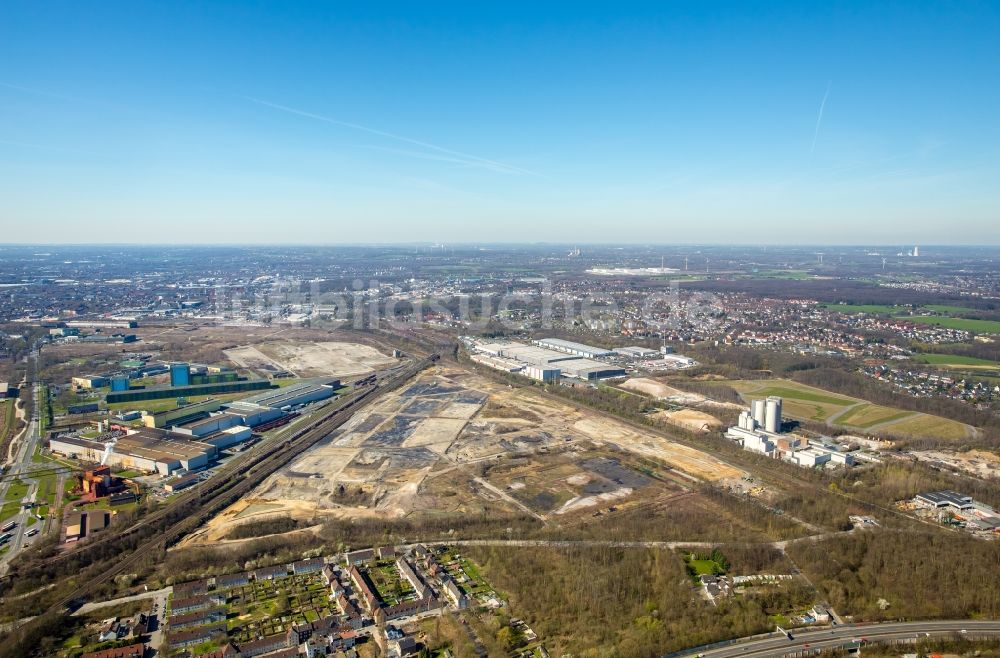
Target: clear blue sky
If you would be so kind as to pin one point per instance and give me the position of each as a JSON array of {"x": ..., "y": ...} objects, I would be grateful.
[{"x": 331, "y": 122}]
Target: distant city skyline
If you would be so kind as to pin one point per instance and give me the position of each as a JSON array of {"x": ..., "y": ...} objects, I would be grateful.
[{"x": 660, "y": 123}]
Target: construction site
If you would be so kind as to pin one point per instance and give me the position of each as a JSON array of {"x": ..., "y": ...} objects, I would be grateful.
[{"x": 453, "y": 441}]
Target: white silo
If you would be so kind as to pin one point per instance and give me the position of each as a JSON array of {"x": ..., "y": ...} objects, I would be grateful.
[
  {"x": 757, "y": 410},
  {"x": 773, "y": 414}
]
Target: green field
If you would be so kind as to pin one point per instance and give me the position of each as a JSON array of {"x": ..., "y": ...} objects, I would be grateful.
[
  {"x": 954, "y": 360},
  {"x": 863, "y": 308},
  {"x": 798, "y": 392},
  {"x": 943, "y": 308},
  {"x": 808, "y": 403},
  {"x": 962, "y": 324}
]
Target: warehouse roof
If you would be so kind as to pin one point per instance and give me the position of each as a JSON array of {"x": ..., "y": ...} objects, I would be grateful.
[
  {"x": 569, "y": 345},
  {"x": 281, "y": 396},
  {"x": 946, "y": 497}
]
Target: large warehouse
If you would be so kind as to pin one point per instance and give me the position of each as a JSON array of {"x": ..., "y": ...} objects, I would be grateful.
[
  {"x": 576, "y": 349},
  {"x": 296, "y": 394},
  {"x": 589, "y": 370}
]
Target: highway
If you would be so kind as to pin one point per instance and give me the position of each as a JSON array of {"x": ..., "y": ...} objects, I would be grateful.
[
  {"x": 22, "y": 462},
  {"x": 806, "y": 641}
]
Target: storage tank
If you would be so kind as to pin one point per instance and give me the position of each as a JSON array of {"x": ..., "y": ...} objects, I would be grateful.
[
  {"x": 773, "y": 414},
  {"x": 757, "y": 411}
]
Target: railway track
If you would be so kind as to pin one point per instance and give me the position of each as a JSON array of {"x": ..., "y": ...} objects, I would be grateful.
[{"x": 239, "y": 479}]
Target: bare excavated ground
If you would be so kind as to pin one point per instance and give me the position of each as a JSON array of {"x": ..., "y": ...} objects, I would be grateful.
[
  {"x": 309, "y": 359},
  {"x": 429, "y": 448}
]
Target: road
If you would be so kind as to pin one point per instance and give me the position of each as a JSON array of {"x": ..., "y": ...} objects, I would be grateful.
[
  {"x": 776, "y": 645},
  {"x": 21, "y": 461}
]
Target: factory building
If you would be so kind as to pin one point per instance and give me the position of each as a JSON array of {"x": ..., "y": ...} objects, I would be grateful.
[
  {"x": 102, "y": 324},
  {"x": 90, "y": 381},
  {"x": 150, "y": 450},
  {"x": 296, "y": 394},
  {"x": 181, "y": 415},
  {"x": 576, "y": 349},
  {"x": 160, "y": 393},
  {"x": 220, "y": 430},
  {"x": 5, "y": 391},
  {"x": 119, "y": 384},
  {"x": 251, "y": 414},
  {"x": 811, "y": 457}
]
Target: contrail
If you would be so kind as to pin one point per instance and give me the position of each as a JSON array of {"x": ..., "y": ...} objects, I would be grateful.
[
  {"x": 819, "y": 119},
  {"x": 467, "y": 158}
]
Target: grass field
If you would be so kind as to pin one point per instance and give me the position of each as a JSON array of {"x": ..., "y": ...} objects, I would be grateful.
[
  {"x": 954, "y": 360},
  {"x": 868, "y": 415},
  {"x": 8, "y": 419},
  {"x": 942, "y": 308},
  {"x": 925, "y": 425},
  {"x": 809, "y": 403},
  {"x": 798, "y": 400},
  {"x": 862, "y": 308},
  {"x": 962, "y": 324}
]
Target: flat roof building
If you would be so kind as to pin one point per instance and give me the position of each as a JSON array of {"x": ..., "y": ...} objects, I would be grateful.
[
  {"x": 294, "y": 395},
  {"x": 576, "y": 349},
  {"x": 150, "y": 450},
  {"x": 589, "y": 370},
  {"x": 945, "y": 498}
]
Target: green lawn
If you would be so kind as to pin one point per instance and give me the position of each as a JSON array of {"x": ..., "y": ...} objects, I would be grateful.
[
  {"x": 962, "y": 324},
  {"x": 954, "y": 360},
  {"x": 9, "y": 510},
  {"x": 702, "y": 567},
  {"x": 799, "y": 394},
  {"x": 16, "y": 491}
]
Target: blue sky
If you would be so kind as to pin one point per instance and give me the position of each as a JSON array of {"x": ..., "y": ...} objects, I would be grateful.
[{"x": 666, "y": 122}]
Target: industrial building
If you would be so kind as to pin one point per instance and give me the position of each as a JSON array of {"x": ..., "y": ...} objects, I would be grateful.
[
  {"x": 295, "y": 395},
  {"x": 180, "y": 374},
  {"x": 633, "y": 352},
  {"x": 943, "y": 499},
  {"x": 576, "y": 349},
  {"x": 220, "y": 430},
  {"x": 149, "y": 450},
  {"x": 90, "y": 381},
  {"x": 160, "y": 393},
  {"x": 543, "y": 364},
  {"x": 758, "y": 429},
  {"x": 589, "y": 370},
  {"x": 251, "y": 414},
  {"x": 181, "y": 414}
]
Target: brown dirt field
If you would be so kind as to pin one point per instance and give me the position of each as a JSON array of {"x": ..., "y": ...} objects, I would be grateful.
[
  {"x": 659, "y": 390},
  {"x": 415, "y": 452},
  {"x": 691, "y": 419}
]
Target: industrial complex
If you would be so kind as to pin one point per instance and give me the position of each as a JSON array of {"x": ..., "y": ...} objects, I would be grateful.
[{"x": 759, "y": 429}]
